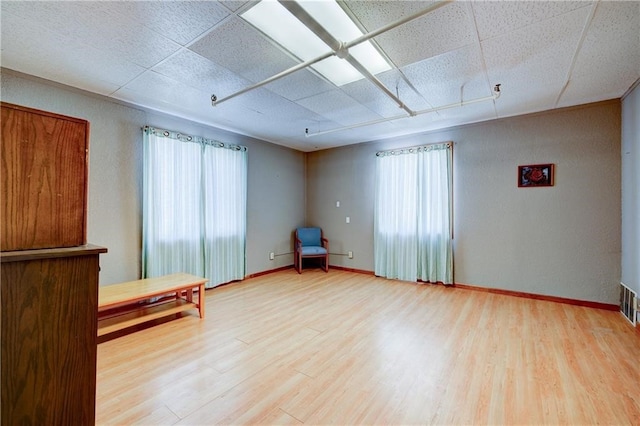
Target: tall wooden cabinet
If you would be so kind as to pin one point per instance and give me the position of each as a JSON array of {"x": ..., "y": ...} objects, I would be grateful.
[
  {"x": 48, "y": 273},
  {"x": 44, "y": 179}
]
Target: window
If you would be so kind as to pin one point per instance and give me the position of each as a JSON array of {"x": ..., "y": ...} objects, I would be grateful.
[
  {"x": 413, "y": 214},
  {"x": 194, "y": 207}
]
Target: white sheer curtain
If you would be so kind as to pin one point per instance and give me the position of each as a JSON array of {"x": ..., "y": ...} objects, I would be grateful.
[
  {"x": 413, "y": 214},
  {"x": 194, "y": 207},
  {"x": 225, "y": 206}
]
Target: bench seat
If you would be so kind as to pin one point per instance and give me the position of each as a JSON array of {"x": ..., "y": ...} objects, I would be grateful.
[{"x": 124, "y": 305}]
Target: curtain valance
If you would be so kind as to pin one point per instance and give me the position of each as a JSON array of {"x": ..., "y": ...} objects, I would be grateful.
[
  {"x": 415, "y": 149},
  {"x": 189, "y": 138}
]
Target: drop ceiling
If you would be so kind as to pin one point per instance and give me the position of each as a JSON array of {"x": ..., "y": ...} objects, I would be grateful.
[{"x": 172, "y": 56}]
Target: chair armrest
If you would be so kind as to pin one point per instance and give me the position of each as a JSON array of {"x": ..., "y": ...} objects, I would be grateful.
[{"x": 325, "y": 243}]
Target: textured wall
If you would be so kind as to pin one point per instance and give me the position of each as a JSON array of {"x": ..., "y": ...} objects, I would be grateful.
[
  {"x": 275, "y": 205},
  {"x": 631, "y": 189},
  {"x": 346, "y": 175},
  {"x": 275, "y": 184},
  {"x": 560, "y": 241}
]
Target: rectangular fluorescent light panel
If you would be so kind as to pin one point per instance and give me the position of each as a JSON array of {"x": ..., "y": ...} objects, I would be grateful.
[{"x": 276, "y": 22}]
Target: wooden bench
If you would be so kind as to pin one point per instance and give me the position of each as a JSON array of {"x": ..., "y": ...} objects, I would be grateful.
[{"x": 119, "y": 305}]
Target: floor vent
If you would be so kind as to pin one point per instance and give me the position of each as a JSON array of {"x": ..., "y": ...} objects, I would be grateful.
[{"x": 628, "y": 303}]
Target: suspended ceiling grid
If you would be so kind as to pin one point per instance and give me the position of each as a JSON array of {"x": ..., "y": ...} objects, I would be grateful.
[{"x": 172, "y": 56}]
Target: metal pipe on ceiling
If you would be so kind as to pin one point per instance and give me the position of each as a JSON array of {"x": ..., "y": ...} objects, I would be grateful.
[
  {"x": 496, "y": 95},
  {"x": 215, "y": 101}
]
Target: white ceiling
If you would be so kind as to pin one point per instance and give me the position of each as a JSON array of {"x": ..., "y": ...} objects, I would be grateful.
[{"x": 171, "y": 56}]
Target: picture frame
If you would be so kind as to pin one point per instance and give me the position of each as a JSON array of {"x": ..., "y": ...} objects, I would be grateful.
[{"x": 535, "y": 175}]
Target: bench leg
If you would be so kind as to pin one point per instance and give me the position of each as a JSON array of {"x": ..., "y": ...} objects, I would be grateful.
[{"x": 201, "y": 300}]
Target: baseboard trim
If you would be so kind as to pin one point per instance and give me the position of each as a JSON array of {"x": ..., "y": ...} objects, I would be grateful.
[
  {"x": 357, "y": 271},
  {"x": 576, "y": 302},
  {"x": 284, "y": 268},
  {"x": 568, "y": 301},
  {"x": 267, "y": 272}
]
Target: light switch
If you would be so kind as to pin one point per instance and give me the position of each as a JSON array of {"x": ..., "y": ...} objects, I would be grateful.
[
  {"x": 348, "y": 219},
  {"x": 337, "y": 203}
]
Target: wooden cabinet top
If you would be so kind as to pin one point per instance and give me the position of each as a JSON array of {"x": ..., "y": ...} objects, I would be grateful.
[{"x": 22, "y": 255}]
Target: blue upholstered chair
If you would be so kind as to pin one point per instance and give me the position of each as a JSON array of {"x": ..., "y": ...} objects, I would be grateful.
[{"x": 310, "y": 243}]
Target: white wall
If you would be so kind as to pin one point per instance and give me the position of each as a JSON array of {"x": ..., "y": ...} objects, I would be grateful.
[
  {"x": 561, "y": 241},
  {"x": 631, "y": 189},
  {"x": 275, "y": 185}
]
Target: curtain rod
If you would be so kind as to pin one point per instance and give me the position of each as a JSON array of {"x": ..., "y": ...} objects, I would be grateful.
[
  {"x": 411, "y": 149},
  {"x": 172, "y": 134},
  {"x": 496, "y": 95}
]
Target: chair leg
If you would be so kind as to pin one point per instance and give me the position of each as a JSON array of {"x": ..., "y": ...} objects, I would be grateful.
[
  {"x": 326, "y": 263},
  {"x": 299, "y": 256}
]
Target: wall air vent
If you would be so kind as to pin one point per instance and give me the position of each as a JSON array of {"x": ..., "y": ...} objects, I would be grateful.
[{"x": 628, "y": 303}]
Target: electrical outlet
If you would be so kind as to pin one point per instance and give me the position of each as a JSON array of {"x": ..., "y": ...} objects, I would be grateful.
[
  {"x": 272, "y": 256},
  {"x": 350, "y": 255}
]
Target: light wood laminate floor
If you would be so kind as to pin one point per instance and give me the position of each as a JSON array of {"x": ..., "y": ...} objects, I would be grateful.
[{"x": 344, "y": 348}]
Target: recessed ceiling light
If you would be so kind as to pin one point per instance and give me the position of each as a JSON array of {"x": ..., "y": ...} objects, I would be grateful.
[{"x": 270, "y": 17}]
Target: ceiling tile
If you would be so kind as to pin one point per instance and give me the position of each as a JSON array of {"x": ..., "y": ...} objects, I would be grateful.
[
  {"x": 102, "y": 25},
  {"x": 194, "y": 110},
  {"x": 198, "y": 72},
  {"x": 493, "y": 19},
  {"x": 163, "y": 89},
  {"x": 160, "y": 93},
  {"x": 450, "y": 77},
  {"x": 399, "y": 83},
  {"x": 178, "y": 20},
  {"x": 234, "y": 5},
  {"x": 444, "y": 29},
  {"x": 269, "y": 104},
  {"x": 337, "y": 106},
  {"x": 239, "y": 47},
  {"x": 532, "y": 63},
  {"x": 300, "y": 84},
  {"x": 370, "y": 96},
  {"x": 259, "y": 113},
  {"x": 62, "y": 59},
  {"x": 599, "y": 73}
]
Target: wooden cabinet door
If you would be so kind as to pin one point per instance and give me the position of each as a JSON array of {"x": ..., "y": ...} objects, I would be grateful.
[{"x": 43, "y": 179}]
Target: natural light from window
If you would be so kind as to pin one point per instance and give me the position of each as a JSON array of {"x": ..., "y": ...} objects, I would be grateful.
[{"x": 270, "y": 17}]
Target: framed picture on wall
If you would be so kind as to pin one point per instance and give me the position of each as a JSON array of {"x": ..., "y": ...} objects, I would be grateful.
[{"x": 535, "y": 175}]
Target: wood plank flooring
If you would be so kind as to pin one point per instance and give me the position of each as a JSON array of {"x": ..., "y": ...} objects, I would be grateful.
[{"x": 343, "y": 348}]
